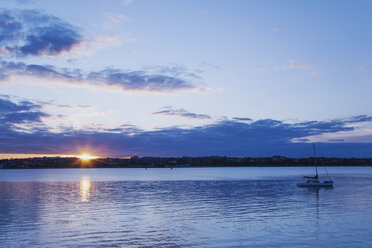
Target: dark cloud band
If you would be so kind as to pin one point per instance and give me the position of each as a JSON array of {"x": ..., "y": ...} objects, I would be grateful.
[{"x": 231, "y": 138}]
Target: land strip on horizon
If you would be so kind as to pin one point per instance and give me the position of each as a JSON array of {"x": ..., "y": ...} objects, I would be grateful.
[{"x": 173, "y": 162}]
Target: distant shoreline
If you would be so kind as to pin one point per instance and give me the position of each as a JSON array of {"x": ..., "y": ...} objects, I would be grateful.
[{"x": 177, "y": 162}]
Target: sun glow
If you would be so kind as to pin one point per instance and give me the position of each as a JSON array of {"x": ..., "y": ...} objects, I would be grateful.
[{"x": 86, "y": 157}]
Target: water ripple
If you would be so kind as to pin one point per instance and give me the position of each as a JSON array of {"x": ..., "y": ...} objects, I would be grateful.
[{"x": 187, "y": 213}]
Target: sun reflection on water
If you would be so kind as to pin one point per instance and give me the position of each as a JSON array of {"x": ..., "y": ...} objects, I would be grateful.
[{"x": 85, "y": 185}]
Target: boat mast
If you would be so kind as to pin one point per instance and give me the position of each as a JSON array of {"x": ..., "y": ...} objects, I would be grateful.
[{"x": 316, "y": 164}]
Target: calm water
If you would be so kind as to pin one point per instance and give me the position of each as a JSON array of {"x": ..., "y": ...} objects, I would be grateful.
[{"x": 200, "y": 207}]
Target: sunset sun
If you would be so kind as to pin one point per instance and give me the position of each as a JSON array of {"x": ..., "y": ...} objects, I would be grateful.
[{"x": 86, "y": 157}]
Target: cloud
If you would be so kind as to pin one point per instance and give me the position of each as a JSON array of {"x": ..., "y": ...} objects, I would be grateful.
[
  {"x": 139, "y": 80},
  {"x": 112, "y": 20},
  {"x": 314, "y": 73},
  {"x": 360, "y": 131},
  {"x": 302, "y": 66},
  {"x": 66, "y": 106},
  {"x": 265, "y": 137},
  {"x": 183, "y": 113},
  {"x": 242, "y": 119},
  {"x": 32, "y": 32},
  {"x": 110, "y": 78},
  {"x": 174, "y": 70},
  {"x": 302, "y": 140},
  {"x": 275, "y": 29},
  {"x": 359, "y": 118},
  {"x": 24, "y": 112},
  {"x": 88, "y": 48},
  {"x": 292, "y": 65},
  {"x": 364, "y": 67},
  {"x": 299, "y": 65},
  {"x": 126, "y": 2},
  {"x": 22, "y": 1}
]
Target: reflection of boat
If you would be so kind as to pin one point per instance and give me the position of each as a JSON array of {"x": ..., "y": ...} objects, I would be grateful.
[{"x": 314, "y": 181}]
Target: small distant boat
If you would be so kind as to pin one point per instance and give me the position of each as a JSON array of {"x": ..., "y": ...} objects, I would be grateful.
[{"x": 314, "y": 181}]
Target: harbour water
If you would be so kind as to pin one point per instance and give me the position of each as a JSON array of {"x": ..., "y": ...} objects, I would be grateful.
[{"x": 184, "y": 207}]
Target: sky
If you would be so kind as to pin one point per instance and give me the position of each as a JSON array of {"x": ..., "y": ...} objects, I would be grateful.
[{"x": 118, "y": 78}]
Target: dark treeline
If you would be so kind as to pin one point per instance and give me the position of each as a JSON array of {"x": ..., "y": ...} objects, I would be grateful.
[{"x": 170, "y": 162}]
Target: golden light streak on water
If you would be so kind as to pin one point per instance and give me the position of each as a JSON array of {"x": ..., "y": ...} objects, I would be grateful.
[{"x": 85, "y": 186}]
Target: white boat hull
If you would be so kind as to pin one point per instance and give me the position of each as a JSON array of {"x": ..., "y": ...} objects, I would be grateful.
[{"x": 316, "y": 184}]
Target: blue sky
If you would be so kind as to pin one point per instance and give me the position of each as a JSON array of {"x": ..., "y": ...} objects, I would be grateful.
[{"x": 173, "y": 78}]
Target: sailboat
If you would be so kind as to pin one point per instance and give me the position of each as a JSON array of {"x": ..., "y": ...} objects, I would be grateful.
[{"x": 314, "y": 181}]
